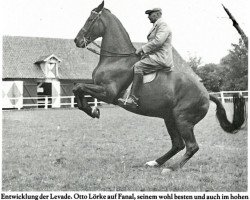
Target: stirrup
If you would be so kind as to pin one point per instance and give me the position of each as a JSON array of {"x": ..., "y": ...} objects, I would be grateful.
[{"x": 132, "y": 100}]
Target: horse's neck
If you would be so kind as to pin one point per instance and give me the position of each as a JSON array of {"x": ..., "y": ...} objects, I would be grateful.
[
  {"x": 115, "y": 42},
  {"x": 116, "y": 38}
]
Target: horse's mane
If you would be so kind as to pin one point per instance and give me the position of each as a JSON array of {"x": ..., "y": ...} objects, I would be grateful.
[{"x": 107, "y": 9}]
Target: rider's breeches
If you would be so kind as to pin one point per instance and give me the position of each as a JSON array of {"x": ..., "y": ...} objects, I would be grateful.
[{"x": 147, "y": 66}]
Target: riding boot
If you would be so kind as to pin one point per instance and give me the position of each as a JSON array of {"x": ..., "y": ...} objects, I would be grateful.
[{"x": 133, "y": 98}]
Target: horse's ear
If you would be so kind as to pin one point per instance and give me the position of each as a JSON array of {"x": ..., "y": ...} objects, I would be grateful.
[{"x": 100, "y": 7}]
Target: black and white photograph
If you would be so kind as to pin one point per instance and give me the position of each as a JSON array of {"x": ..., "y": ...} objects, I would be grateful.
[{"x": 137, "y": 98}]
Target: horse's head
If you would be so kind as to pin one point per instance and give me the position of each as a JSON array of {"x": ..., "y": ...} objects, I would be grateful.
[{"x": 92, "y": 29}]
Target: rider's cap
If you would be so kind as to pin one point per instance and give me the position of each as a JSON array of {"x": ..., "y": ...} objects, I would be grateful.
[{"x": 153, "y": 10}]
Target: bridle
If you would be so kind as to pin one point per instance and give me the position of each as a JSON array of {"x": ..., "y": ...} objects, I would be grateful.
[{"x": 89, "y": 40}]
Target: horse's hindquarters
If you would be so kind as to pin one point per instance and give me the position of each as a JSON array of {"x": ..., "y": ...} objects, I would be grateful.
[{"x": 173, "y": 92}]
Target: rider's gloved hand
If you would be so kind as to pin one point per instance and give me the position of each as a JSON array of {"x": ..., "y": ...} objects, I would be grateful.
[{"x": 139, "y": 51}]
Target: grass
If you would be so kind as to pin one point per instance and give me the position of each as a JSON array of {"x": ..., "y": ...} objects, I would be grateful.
[{"x": 65, "y": 150}]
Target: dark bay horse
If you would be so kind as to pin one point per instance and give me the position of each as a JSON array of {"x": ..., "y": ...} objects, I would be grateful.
[{"x": 177, "y": 97}]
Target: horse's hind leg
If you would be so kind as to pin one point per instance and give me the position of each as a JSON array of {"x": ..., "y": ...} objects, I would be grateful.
[
  {"x": 186, "y": 130},
  {"x": 177, "y": 143}
]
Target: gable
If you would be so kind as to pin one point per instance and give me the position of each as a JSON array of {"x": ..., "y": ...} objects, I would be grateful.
[{"x": 49, "y": 65}]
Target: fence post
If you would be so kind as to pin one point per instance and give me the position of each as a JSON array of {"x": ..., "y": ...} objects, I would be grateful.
[
  {"x": 19, "y": 103},
  {"x": 96, "y": 102},
  {"x": 222, "y": 97},
  {"x": 46, "y": 102},
  {"x": 72, "y": 101},
  {"x": 19, "y": 106}
]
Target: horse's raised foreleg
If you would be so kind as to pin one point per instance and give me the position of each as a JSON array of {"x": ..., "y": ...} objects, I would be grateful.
[
  {"x": 95, "y": 91},
  {"x": 177, "y": 143},
  {"x": 83, "y": 105}
]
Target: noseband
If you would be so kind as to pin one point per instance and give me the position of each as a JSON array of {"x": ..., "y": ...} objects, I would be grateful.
[{"x": 89, "y": 40}]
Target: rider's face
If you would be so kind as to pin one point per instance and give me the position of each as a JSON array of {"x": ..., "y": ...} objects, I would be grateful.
[{"x": 153, "y": 17}]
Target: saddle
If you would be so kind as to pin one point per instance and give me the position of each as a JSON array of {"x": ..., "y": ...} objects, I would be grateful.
[{"x": 146, "y": 79}]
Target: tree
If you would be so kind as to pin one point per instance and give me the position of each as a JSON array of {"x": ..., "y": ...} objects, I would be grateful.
[
  {"x": 230, "y": 74},
  {"x": 211, "y": 76},
  {"x": 194, "y": 62},
  {"x": 236, "y": 68},
  {"x": 209, "y": 73}
]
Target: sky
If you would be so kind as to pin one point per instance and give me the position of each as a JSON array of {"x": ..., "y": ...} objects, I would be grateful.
[{"x": 200, "y": 27}]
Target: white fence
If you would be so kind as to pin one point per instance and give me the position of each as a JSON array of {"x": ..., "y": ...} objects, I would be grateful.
[
  {"x": 227, "y": 96},
  {"x": 46, "y": 101}
]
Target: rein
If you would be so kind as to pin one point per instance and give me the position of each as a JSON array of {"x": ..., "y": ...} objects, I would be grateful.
[
  {"x": 113, "y": 54},
  {"x": 110, "y": 53}
]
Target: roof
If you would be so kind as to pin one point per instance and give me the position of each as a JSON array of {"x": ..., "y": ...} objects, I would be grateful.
[{"x": 21, "y": 53}]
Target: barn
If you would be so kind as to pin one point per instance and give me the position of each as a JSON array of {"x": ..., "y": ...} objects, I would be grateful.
[{"x": 35, "y": 68}]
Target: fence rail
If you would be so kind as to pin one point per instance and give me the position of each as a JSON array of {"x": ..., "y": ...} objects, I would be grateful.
[
  {"x": 47, "y": 101},
  {"x": 227, "y": 96}
]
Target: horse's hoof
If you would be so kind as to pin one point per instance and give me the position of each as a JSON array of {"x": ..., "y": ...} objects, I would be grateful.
[
  {"x": 166, "y": 171},
  {"x": 152, "y": 164},
  {"x": 96, "y": 112}
]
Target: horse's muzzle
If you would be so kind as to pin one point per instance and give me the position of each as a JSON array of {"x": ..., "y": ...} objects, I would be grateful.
[{"x": 81, "y": 43}]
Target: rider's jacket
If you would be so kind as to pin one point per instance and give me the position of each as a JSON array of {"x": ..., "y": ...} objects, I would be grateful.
[{"x": 159, "y": 46}]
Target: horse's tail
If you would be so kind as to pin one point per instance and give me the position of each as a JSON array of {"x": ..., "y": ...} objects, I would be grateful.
[{"x": 239, "y": 115}]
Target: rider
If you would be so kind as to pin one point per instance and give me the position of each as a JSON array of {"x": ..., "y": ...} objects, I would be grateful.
[{"x": 156, "y": 54}]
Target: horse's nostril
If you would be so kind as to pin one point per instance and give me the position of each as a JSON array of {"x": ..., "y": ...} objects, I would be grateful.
[{"x": 75, "y": 40}]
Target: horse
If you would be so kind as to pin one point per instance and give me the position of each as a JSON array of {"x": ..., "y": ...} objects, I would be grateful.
[{"x": 177, "y": 97}]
